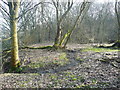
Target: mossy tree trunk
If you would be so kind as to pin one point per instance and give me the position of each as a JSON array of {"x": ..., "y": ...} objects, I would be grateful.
[
  {"x": 13, "y": 11},
  {"x": 59, "y": 32},
  {"x": 59, "y": 21},
  {"x": 83, "y": 9}
]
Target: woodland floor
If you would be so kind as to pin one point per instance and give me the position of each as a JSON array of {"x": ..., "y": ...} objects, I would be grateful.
[{"x": 80, "y": 66}]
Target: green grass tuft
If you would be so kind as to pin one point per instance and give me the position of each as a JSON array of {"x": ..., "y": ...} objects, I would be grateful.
[
  {"x": 100, "y": 50},
  {"x": 36, "y": 65}
]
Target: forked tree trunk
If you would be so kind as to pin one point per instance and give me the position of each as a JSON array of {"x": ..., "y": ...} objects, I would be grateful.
[
  {"x": 69, "y": 33},
  {"x": 13, "y": 10},
  {"x": 59, "y": 21}
]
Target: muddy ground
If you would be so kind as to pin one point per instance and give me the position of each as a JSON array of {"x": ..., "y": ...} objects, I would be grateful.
[{"x": 76, "y": 67}]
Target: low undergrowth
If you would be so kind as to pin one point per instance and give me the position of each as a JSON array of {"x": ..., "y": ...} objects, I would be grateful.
[{"x": 48, "y": 62}]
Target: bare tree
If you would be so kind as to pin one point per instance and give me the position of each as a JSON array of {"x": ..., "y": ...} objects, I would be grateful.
[
  {"x": 59, "y": 20},
  {"x": 14, "y": 17},
  {"x": 83, "y": 9},
  {"x": 13, "y": 12}
]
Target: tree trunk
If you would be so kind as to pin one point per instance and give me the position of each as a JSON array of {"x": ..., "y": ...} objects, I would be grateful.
[
  {"x": 117, "y": 9},
  {"x": 58, "y": 36},
  {"x": 59, "y": 21},
  {"x": 82, "y": 10},
  {"x": 13, "y": 9}
]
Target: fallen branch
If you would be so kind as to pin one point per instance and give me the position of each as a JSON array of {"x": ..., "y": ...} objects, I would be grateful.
[{"x": 42, "y": 47}]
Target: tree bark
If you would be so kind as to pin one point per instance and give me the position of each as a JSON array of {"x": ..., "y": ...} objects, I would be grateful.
[{"x": 13, "y": 10}]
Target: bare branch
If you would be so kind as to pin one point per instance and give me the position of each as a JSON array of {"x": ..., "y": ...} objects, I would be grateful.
[
  {"x": 69, "y": 7},
  {"x": 4, "y": 2},
  {"x": 31, "y": 9},
  {"x": 54, "y": 3},
  {"x": 2, "y": 8},
  {"x": 6, "y": 39}
]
